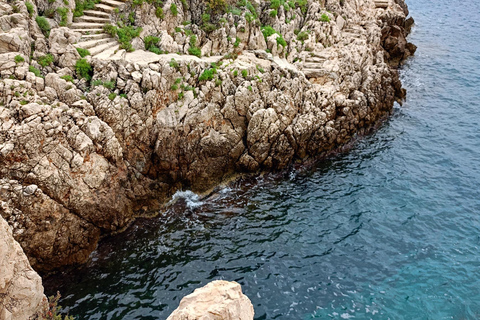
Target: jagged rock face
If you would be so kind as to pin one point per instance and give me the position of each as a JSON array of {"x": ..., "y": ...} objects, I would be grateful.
[
  {"x": 79, "y": 159},
  {"x": 218, "y": 300},
  {"x": 21, "y": 290}
]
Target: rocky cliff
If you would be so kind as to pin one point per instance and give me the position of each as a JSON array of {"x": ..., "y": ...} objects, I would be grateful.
[
  {"x": 21, "y": 290},
  {"x": 213, "y": 89}
]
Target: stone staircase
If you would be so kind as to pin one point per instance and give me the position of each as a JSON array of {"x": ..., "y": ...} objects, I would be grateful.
[
  {"x": 383, "y": 4},
  {"x": 313, "y": 66},
  {"x": 90, "y": 25}
]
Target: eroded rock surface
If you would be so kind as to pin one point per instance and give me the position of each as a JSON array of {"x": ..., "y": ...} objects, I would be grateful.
[
  {"x": 218, "y": 300},
  {"x": 80, "y": 158},
  {"x": 21, "y": 290}
]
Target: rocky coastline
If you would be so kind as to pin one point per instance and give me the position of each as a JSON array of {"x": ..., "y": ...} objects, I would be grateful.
[{"x": 210, "y": 91}]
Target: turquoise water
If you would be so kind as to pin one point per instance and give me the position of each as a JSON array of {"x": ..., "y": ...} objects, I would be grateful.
[{"x": 390, "y": 230}]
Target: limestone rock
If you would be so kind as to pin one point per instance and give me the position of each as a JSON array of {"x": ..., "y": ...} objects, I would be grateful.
[
  {"x": 218, "y": 300},
  {"x": 21, "y": 290}
]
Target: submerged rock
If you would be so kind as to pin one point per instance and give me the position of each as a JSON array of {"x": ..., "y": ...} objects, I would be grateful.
[{"x": 218, "y": 300}]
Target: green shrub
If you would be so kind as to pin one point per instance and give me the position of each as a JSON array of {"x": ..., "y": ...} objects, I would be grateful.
[
  {"x": 30, "y": 8},
  {"x": 302, "y": 4},
  {"x": 97, "y": 82},
  {"x": 275, "y": 4},
  {"x": 302, "y": 36},
  {"x": 150, "y": 42},
  {"x": 18, "y": 59},
  {"x": 173, "y": 9},
  {"x": 237, "y": 42},
  {"x": 67, "y": 77},
  {"x": 81, "y": 5},
  {"x": 194, "y": 51},
  {"x": 35, "y": 71},
  {"x": 281, "y": 41},
  {"x": 235, "y": 73},
  {"x": 184, "y": 4},
  {"x": 218, "y": 83},
  {"x": 216, "y": 5},
  {"x": 110, "y": 29},
  {"x": 244, "y": 73},
  {"x": 174, "y": 87},
  {"x": 109, "y": 84},
  {"x": 325, "y": 18},
  {"x": 112, "y": 96},
  {"x": 159, "y": 13},
  {"x": 205, "y": 17},
  {"x": 45, "y": 60},
  {"x": 209, "y": 27},
  {"x": 125, "y": 35},
  {"x": 62, "y": 12},
  {"x": 83, "y": 52},
  {"x": 123, "y": 95},
  {"x": 273, "y": 13},
  {"x": 207, "y": 74},
  {"x": 44, "y": 25},
  {"x": 174, "y": 64},
  {"x": 84, "y": 69},
  {"x": 268, "y": 31},
  {"x": 250, "y": 88}
]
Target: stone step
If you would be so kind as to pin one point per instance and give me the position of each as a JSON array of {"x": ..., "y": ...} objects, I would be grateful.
[
  {"x": 381, "y": 4},
  {"x": 110, "y": 53},
  {"x": 104, "y": 8},
  {"x": 93, "y": 43},
  {"x": 112, "y": 3},
  {"x": 314, "y": 73},
  {"x": 96, "y": 36},
  {"x": 310, "y": 65},
  {"x": 103, "y": 47},
  {"x": 86, "y": 25},
  {"x": 87, "y": 18},
  {"x": 96, "y": 13},
  {"x": 315, "y": 59},
  {"x": 89, "y": 31}
]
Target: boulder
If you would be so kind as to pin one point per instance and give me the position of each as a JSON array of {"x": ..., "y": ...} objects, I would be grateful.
[{"x": 218, "y": 300}]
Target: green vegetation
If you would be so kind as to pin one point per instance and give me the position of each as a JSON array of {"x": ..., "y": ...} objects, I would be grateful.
[
  {"x": 83, "y": 52},
  {"x": 193, "y": 50},
  {"x": 151, "y": 44},
  {"x": 123, "y": 95},
  {"x": 250, "y": 88},
  {"x": 302, "y": 36},
  {"x": 173, "y": 9},
  {"x": 44, "y": 25},
  {"x": 273, "y": 13},
  {"x": 84, "y": 69},
  {"x": 281, "y": 41},
  {"x": 207, "y": 74},
  {"x": 109, "y": 84},
  {"x": 62, "y": 12},
  {"x": 23, "y": 102},
  {"x": 235, "y": 73},
  {"x": 244, "y": 73},
  {"x": 35, "y": 71},
  {"x": 268, "y": 31},
  {"x": 97, "y": 82},
  {"x": 30, "y": 8},
  {"x": 174, "y": 64},
  {"x": 216, "y": 6},
  {"x": 18, "y": 59},
  {"x": 174, "y": 87},
  {"x": 67, "y": 77},
  {"x": 110, "y": 29},
  {"x": 45, "y": 60},
  {"x": 237, "y": 42},
  {"x": 325, "y": 18},
  {"x": 124, "y": 33},
  {"x": 112, "y": 96},
  {"x": 159, "y": 13},
  {"x": 81, "y": 5},
  {"x": 52, "y": 312}
]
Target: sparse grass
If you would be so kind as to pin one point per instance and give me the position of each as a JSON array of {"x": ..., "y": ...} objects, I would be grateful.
[
  {"x": 174, "y": 9},
  {"x": 30, "y": 8},
  {"x": 237, "y": 42},
  {"x": 35, "y": 71},
  {"x": 207, "y": 74},
  {"x": 81, "y": 5},
  {"x": 67, "y": 77},
  {"x": 325, "y": 18},
  {"x": 112, "y": 96},
  {"x": 244, "y": 73},
  {"x": 62, "y": 12}
]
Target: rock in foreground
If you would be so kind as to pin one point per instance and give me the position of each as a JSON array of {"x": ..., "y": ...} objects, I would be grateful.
[{"x": 218, "y": 300}]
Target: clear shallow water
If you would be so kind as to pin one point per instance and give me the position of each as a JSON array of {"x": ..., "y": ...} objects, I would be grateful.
[{"x": 390, "y": 230}]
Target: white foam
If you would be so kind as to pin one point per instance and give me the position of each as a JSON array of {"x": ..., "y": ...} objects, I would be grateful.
[{"x": 192, "y": 200}]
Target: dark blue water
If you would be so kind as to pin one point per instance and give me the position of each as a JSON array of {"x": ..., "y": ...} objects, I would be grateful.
[{"x": 390, "y": 230}]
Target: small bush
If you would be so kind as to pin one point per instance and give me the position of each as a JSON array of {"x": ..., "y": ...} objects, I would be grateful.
[
  {"x": 112, "y": 96},
  {"x": 237, "y": 42},
  {"x": 84, "y": 69},
  {"x": 67, "y": 77},
  {"x": 159, "y": 13},
  {"x": 302, "y": 36},
  {"x": 207, "y": 74},
  {"x": 209, "y": 27},
  {"x": 123, "y": 95},
  {"x": 273, "y": 13},
  {"x": 44, "y": 25},
  {"x": 194, "y": 51},
  {"x": 325, "y": 18},
  {"x": 218, "y": 83},
  {"x": 174, "y": 87},
  {"x": 35, "y": 71},
  {"x": 235, "y": 73},
  {"x": 268, "y": 31},
  {"x": 97, "y": 82},
  {"x": 110, "y": 29},
  {"x": 30, "y": 8},
  {"x": 62, "y": 12},
  {"x": 125, "y": 36},
  {"x": 150, "y": 42},
  {"x": 19, "y": 59},
  {"x": 174, "y": 64},
  {"x": 244, "y": 73},
  {"x": 250, "y": 88},
  {"x": 281, "y": 41},
  {"x": 216, "y": 5},
  {"x": 81, "y": 5},
  {"x": 173, "y": 9},
  {"x": 275, "y": 4},
  {"x": 83, "y": 52},
  {"x": 45, "y": 60},
  {"x": 205, "y": 17}
]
